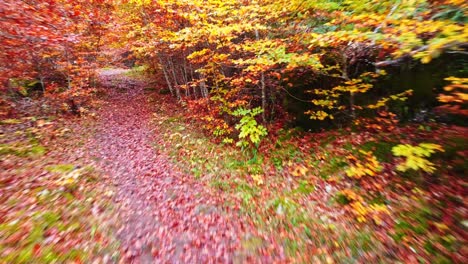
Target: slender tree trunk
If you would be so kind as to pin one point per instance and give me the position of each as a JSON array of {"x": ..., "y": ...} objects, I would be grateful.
[
  {"x": 68, "y": 66},
  {"x": 264, "y": 100},
  {"x": 346, "y": 77},
  {"x": 203, "y": 89},
  {"x": 191, "y": 79},
  {"x": 186, "y": 80},
  {"x": 166, "y": 76},
  {"x": 177, "y": 88},
  {"x": 185, "y": 74},
  {"x": 262, "y": 86},
  {"x": 351, "y": 105},
  {"x": 41, "y": 80}
]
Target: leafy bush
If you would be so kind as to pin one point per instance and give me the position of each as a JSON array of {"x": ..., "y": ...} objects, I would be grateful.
[{"x": 251, "y": 133}]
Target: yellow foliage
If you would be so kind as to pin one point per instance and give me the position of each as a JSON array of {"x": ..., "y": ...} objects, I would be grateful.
[
  {"x": 351, "y": 195},
  {"x": 258, "y": 179},
  {"x": 373, "y": 211},
  {"x": 299, "y": 171},
  {"x": 320, "y": 115},
  {"x": 397, "y": 97},
  {"x": 416, "y": 156},
  {"x": 370, "y": 166},
  {"x": 458, "y": 91}
]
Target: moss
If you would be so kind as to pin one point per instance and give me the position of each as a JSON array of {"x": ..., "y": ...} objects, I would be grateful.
[
  {"x": 197, "y": 172},
  {"x": 10, "y": 122},
  {"x": 37, "y": 151},
  {"x": 292, "y": 246},
  {"x": 362, "y": 241},
  {"x": 304, "y": 188},
  {"x": 221, "y": 185},
  {"x": 327, "y": 141},
  {"x": 6, "y": 149},
  {"x": 164, "y": 91},
  {"x": 252, "y": 244},
  {"x": 379, "y": 199},
  {"x": 341, "y": 199},
  {"x": 60, "y": 168},
  {"x": 334, "y": 165},
  {"x": 382, "y": 150},
  {"x": 22, "y": 150}
]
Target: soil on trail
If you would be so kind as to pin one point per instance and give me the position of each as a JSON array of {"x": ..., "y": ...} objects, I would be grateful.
[{"x": 163, "y": 215}]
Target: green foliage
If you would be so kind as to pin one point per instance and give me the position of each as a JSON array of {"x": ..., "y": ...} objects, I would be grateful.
[
  {"x": 22, "y": 149},
  {"x": 304, "y": 187},
  {"x": 10, "y": 121},
  {"x": 251, "y": 133},
  {"x": 416, "y": 156},
  {"x": 381, "y": 149},
  {"x": 37, "y": 151},
  {"x": 332, "y": 166},
  {"x": 60, "y": 168},
  {"x": 341, "y": 199}
]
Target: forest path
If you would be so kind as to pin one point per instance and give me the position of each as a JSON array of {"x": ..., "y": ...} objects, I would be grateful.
[{"x": 163, "y": 215}]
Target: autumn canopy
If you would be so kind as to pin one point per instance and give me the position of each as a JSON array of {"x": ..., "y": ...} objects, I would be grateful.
[{"x": 320, "y": 131}]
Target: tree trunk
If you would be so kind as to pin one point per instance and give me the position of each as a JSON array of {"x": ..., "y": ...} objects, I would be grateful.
[
  {"x": 41, "y": 80},
  {"x": 264, "y": 100},
  {"x": 346, "y": 77},
  {"x": 177, "y": 88},
  {"x": 203, "y": 89},
  {"x": 166, "y": 76},
  {"x": 262, "y": 86}
]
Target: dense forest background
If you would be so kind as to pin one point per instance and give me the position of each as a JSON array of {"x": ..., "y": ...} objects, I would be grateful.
[{"x": 335, "y": 61}]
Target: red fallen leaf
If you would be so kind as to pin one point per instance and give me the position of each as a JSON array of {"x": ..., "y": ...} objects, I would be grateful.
[
  {"x": 37, "y": 249},
  {"x": 447, "y": 219}
]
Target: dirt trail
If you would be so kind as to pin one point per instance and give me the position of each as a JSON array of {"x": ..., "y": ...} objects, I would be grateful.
[{"x": 163, "y": 215}]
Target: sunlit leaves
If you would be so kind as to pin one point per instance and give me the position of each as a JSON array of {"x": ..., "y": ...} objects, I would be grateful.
[
  {"x": 250, "y": 131},
  {"x": 361, "y": 209},
  {"x": 299, "y": 171},
  {"x": 258, "y": 179},
  {"x": 328, "y": 101},
  {"x": 455, "y": 96},
  {"x": 370, "y": 166},
  {"x": 416, "y": 156},
  {"x": 396, "y": 97}
]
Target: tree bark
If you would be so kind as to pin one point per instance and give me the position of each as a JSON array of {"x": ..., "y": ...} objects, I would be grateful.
[
  {"x": 262, "y": 86},
  {"x": 177, "y": 88},
  {"x": 345, "y": 76},
  {"x": 166, "y": 76},
  {"x": 203, "y": 89}
]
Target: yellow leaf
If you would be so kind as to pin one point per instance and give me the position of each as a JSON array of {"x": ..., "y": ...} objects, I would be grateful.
[
  {"x": 299, "y": 171},
  {"x": 258, "y": 179},
  {"x": 426, "y": 59}
]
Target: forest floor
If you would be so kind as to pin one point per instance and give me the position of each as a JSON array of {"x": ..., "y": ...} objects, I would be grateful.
[
  {"x": 167, "y": 215},
  {"x": 136, "y": 180}
]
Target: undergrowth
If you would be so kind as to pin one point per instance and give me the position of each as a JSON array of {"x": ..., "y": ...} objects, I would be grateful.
[{"x": 300, "y": 194}]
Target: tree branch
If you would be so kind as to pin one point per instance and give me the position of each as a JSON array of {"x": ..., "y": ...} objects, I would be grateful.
[
  {"x": 394, "y": 8},
  {"x": 409, "y": 55}
]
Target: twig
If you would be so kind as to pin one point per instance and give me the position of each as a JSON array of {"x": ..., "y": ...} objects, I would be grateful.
[
  {"x": 299, "y": 99},
  {"x": 423, "y": 48},
  {"x": 394, "y": 7}
]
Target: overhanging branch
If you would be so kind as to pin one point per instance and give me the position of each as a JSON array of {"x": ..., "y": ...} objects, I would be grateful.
[{"x": 409, "y": 55}]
